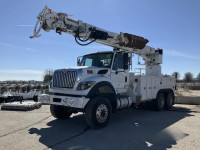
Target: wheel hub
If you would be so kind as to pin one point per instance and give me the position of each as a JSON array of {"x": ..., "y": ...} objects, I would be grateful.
[{"x": 102, "y": 113}]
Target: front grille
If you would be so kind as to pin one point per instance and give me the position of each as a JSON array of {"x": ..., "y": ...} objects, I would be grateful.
[{"x": 64, "y": 79}]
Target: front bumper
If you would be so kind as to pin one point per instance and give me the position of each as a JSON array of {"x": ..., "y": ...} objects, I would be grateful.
[
  {"x": 69, "y": 101},
  {"x": 44, "y": 99}
]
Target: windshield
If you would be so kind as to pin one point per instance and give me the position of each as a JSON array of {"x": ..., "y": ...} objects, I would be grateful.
[{"x": 97, "y": 60}]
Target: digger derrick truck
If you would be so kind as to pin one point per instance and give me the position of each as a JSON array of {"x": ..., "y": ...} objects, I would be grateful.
[{"x": 102, "y": 82}]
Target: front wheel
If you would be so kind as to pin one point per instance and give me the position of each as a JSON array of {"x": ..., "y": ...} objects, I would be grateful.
[
  {"x": 98, "y": 112},
  {"x": 60, "y": 112},
  {"x": 35, "y": 98}
]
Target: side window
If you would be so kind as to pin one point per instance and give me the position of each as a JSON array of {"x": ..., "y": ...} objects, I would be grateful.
[
  {"x": 118, "y": 62},
  {"x": 79, "y": 60},
  {"x": 88, "y": 62},
  {"x": 105, "y": 60}
]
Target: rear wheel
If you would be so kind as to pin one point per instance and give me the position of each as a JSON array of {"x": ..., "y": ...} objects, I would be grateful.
[
  {"x": 60, "y": 112},
  {"x": 160, "y": 102},
  {"x": 169, "y": 100},
  {"x": 98, "y": 112}
]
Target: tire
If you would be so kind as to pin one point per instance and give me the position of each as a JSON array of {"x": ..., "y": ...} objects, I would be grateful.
[
  {"x": 35, "y": 98},
  {"x": 160, "y": 102},
  {"x": 169, "y": 100},
  {"x": 14, "y": 98},
  {"x": 98, "y": 112},
  {"x": 60, "y": 112}
]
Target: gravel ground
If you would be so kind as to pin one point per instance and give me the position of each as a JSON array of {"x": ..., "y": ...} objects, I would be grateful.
[{"x": 128, "y": 129}]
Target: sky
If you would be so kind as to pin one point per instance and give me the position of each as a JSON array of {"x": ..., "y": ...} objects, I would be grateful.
[{"x": 173, "y": 25}]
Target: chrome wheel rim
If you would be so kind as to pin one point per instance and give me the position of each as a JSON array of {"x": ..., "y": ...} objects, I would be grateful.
[{"x": 102, "y": 113}]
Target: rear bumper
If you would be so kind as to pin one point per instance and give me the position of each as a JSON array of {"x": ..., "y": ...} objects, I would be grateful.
[{"x": 69, "y": 101}]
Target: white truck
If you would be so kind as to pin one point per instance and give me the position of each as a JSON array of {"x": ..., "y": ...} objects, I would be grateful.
[{"x": 102, "y": 82}]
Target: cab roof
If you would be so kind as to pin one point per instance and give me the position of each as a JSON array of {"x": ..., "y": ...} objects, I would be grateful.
[{"x": 104, "y": 52}]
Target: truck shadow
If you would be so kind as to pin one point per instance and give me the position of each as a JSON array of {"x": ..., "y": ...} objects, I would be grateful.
[{"x": 128, "y": 129}]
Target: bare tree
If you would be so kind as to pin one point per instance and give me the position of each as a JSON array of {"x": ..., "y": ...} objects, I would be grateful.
[
  {"x": 48, "y": 76},
  {"x": 10, "y": 88},
  {"x": 24, "y": 88},
  {"x": 34, "y": 87},
  {"x": 198, "y": 77},
  {"x": 29, "y": 88},
  {"x": 38, "y": 87},
  {"x": 4, "y": 89},
  {"x": 188, "y": 77},
  {"x": 17, "y": 87}
]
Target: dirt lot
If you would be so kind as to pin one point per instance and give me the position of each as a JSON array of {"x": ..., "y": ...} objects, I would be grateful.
[
  {"x": 187, "y": 97},
  {"x": 128, "y": 129},
  {"x": 188, "y": 93}
]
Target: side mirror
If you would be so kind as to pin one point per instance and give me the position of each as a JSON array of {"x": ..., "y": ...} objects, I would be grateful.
[{"x": 78, "y": 61}]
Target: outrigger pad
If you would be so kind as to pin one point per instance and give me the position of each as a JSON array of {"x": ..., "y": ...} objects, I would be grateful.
[
  {"x": 133, "y": 41},
  {"x": 21, "y": 106}
]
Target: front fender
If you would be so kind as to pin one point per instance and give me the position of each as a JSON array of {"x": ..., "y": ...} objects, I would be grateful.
[{"x": 104, "y": 89}]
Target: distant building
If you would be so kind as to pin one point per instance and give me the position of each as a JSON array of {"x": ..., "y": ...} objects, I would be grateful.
[{"x": 34, "y": 82}]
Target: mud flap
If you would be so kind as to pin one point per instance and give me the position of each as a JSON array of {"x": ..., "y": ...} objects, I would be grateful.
[{"x": 138, "y": 100}]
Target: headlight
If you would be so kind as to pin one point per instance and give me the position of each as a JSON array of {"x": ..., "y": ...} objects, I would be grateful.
[{"x": 85, "y": 85}]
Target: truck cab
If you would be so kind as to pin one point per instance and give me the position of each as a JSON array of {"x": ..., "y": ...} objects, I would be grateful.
[{"x": 93, "y": 70}]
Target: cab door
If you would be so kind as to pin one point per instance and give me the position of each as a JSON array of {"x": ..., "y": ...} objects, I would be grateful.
[{"x": 119, "y": 72}]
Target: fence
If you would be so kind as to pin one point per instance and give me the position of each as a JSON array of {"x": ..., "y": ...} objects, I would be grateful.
[{"x": 188, "y": 86}]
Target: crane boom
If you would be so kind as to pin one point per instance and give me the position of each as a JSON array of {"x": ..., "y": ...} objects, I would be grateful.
[{"x": 83, "y": 32}]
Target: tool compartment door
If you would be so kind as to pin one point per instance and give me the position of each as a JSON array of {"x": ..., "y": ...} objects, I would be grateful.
[
  {"x": 149, "y": 88},
  {"x": 143, "y": 88},
  {"x": 154, "y": 89}
]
